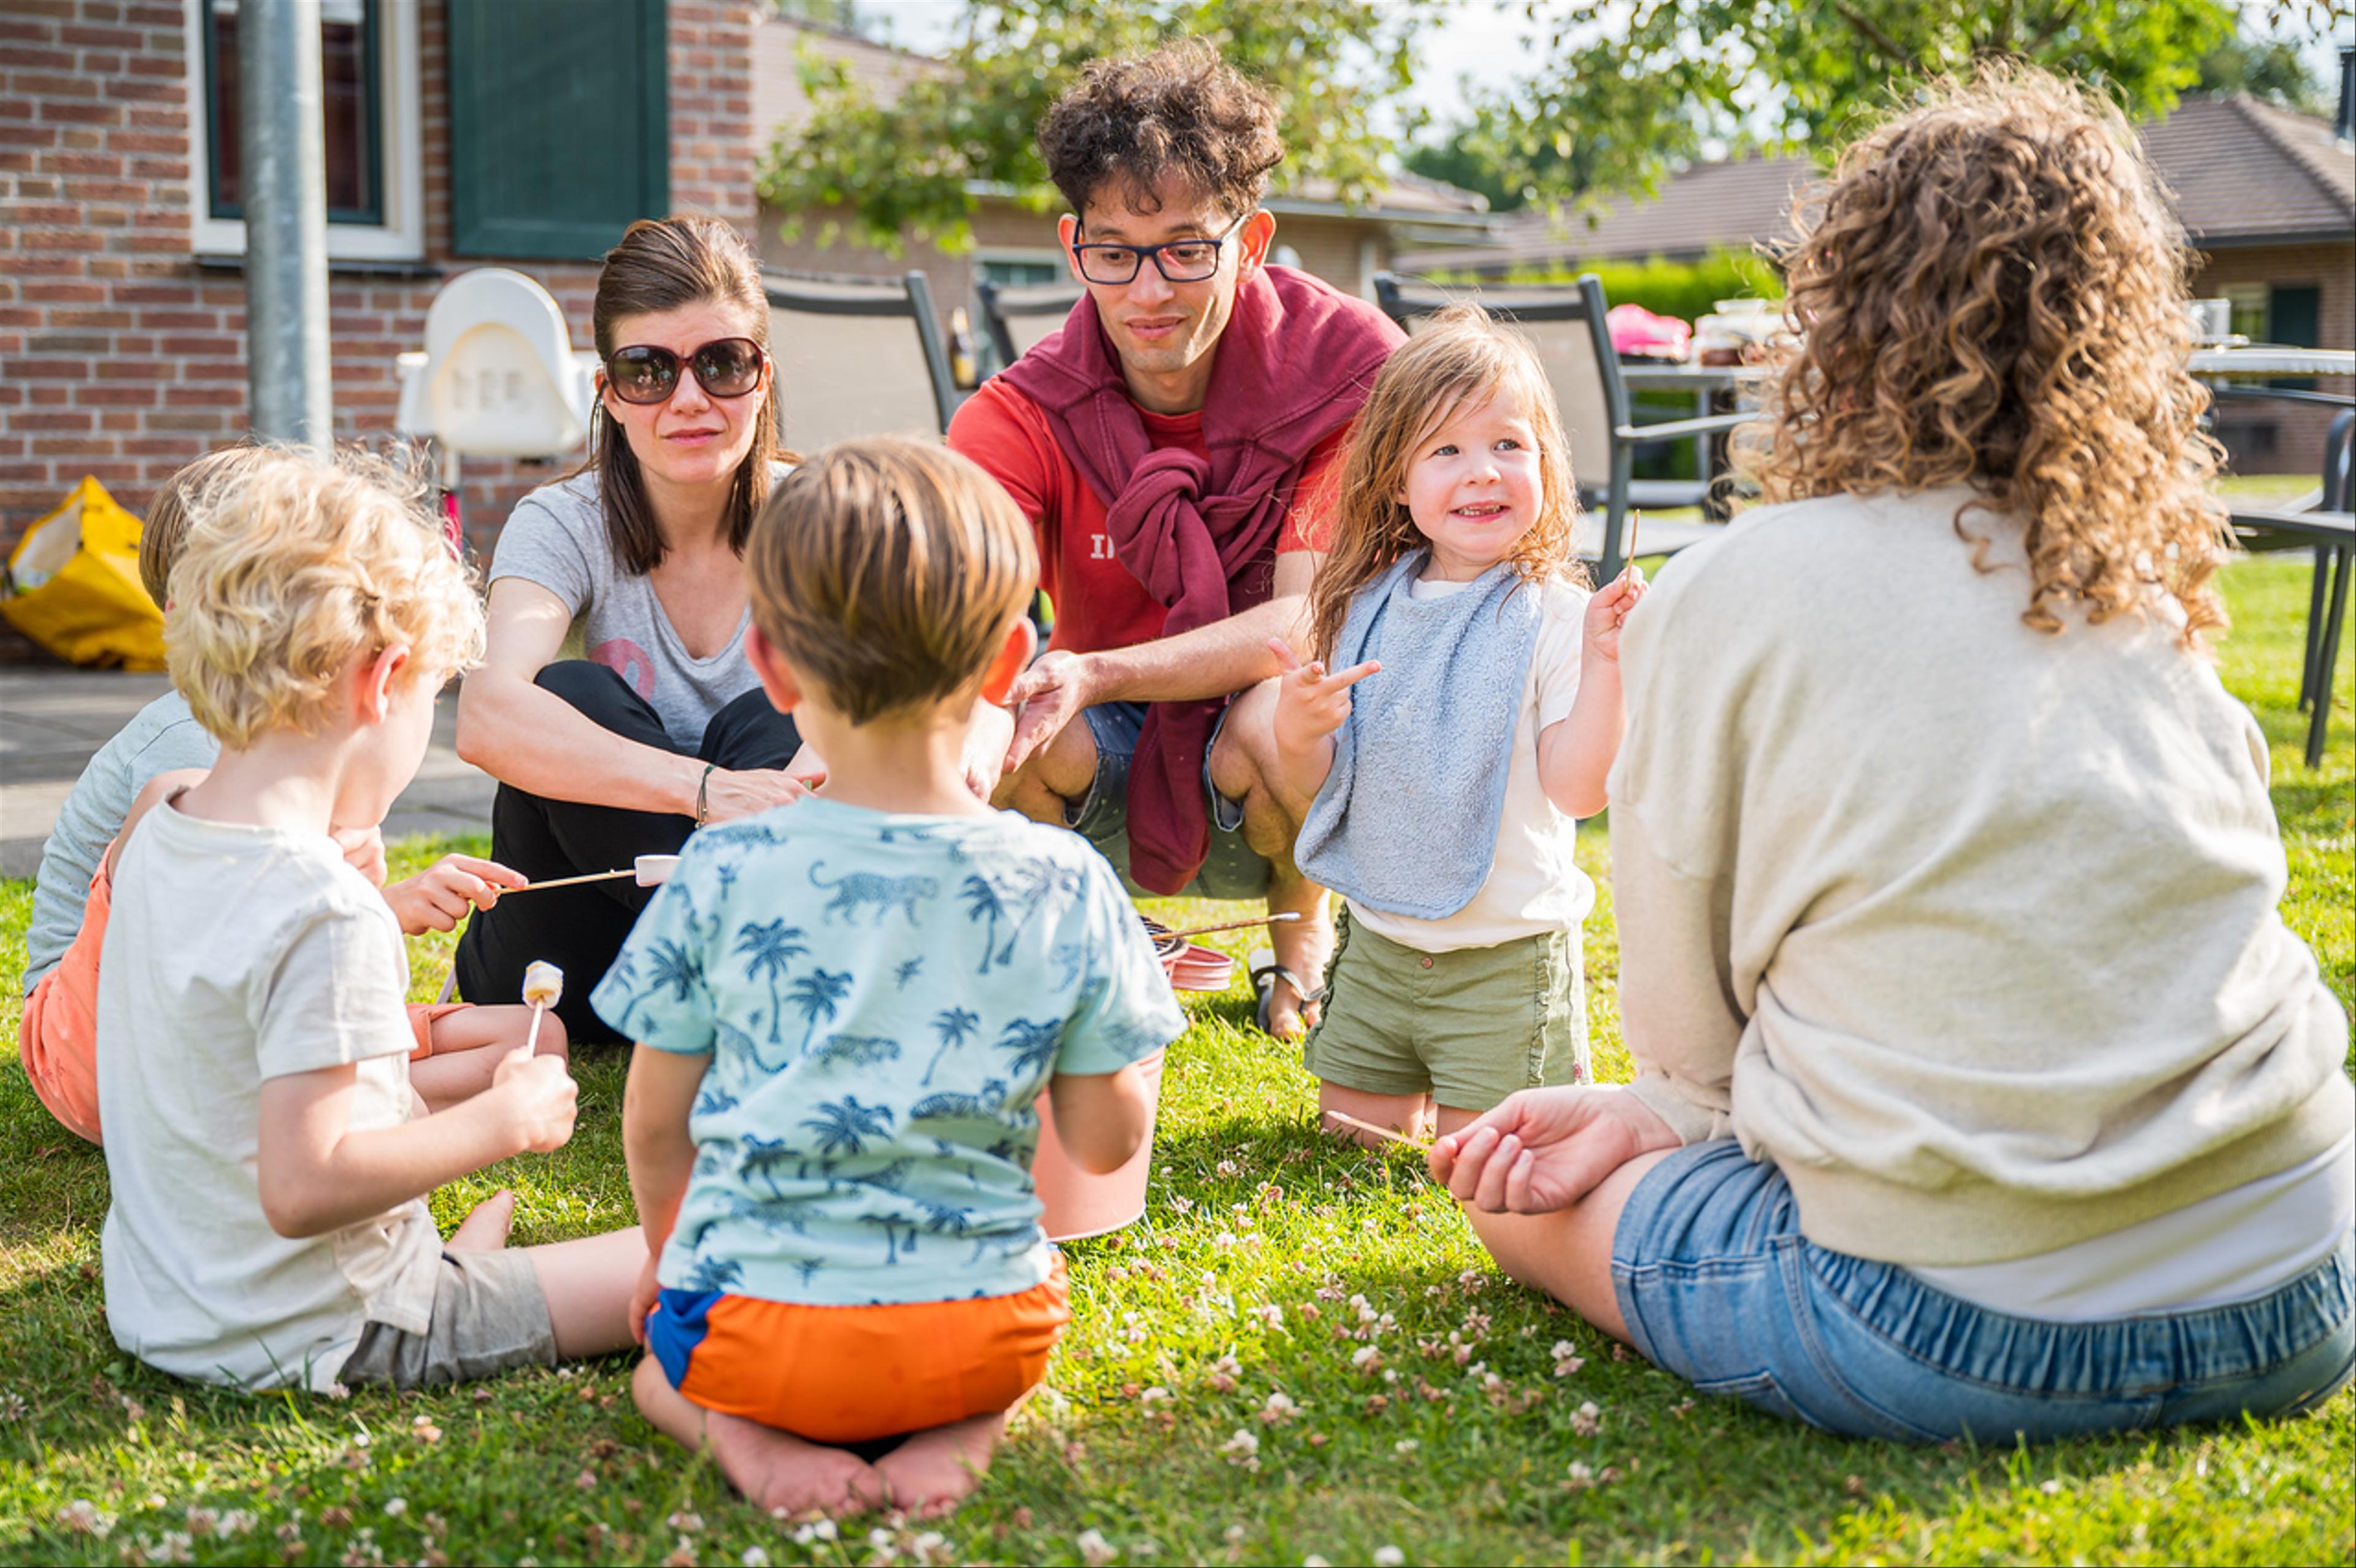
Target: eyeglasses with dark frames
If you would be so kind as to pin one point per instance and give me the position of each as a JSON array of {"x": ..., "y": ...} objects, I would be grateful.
[
  {"x": 1178, "y": 261},
  {"x": 725, "y": 367}
]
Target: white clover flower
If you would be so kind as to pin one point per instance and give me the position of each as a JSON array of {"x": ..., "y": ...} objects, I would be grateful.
[
  {"x": 395, "y": 1506},
  {"x": 1388, "y": 1557},
  {"x": 1587, "y": 1421},
  {"x": 1094, "y": 1548},
  {"x": 1156, "y": 1395},
  {"x": 755, "y": 1558},
  {"x": 1234, "y": 1534},
  {"x": 1580, "y": 1476},
  {"x": 1243, "y": 1448},
  {"x": 82, "y": 1517},
  {"x": 1406, "y": 1446},
  {"x": 824, "y": 1529},
  {"x": 1226, "y": 1167},
  {"x": 1224, "y": 1242},
  {"x": 1314, "y": 1560},
  {"x": 1366, "y": 1357},
  {"x": 1279, "y": 1407},
  {"x": 1270, "y": 1313}
]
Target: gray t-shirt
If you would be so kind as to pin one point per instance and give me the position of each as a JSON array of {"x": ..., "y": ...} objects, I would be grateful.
[
  {"x": 162, "y": 736},
  {"x": 556, "y": 537}
]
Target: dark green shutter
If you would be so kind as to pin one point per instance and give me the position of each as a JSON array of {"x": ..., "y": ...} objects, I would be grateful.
[
  {"x": 2295, "y": 314},
  {"x": 560, "y": 124}
]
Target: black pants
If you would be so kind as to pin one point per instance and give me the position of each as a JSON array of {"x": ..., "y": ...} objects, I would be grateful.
[{"x": 581, "y": 929}]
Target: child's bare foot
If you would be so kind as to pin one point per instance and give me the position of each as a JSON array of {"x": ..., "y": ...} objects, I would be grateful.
[
  {"x": 486, "y": 1229},
  {"x": 933, "y": 1471},
  {"x": 788, "y": 1475}
]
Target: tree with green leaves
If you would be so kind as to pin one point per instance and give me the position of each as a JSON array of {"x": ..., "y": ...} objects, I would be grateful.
[
  {"x": 910, "y": 166},
  {"x": 1630, "y": 90}
]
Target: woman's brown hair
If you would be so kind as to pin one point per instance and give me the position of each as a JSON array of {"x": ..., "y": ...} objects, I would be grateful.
[
  {"x": 1990, "y": 291},
  {"x": 666, "y": 264},
  {"x": 1459, "y": 357}
]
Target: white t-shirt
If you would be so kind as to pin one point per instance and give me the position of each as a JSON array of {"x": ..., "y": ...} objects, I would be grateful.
[
  {"x": 1533, "y": 885},
  {"x": 2241, "y": 1244},
  {"x": 236, "y": 953}
]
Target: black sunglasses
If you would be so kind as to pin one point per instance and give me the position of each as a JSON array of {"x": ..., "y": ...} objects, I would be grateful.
[{"x": 725, "y": 367}]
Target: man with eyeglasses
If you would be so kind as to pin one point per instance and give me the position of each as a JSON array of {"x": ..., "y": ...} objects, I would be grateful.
[{"x": 1173, "y": 445}]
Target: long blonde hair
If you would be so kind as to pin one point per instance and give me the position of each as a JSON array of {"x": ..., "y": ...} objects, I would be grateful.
[
  {"x": 1459, "y": 357},
  {"x": 1989, "y": 293}
]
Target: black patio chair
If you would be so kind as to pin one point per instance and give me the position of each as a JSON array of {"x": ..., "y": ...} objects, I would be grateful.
[
  {"x": 1016, "y": 315},
  {"x": 857, "y": 356},
  {"x": 2329, "y": 529}
]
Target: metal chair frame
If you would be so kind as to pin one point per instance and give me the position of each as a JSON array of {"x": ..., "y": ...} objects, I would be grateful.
[
  {"x": 2329, "y": 531},
  {"x": 913, "y": 298},
  {"x": 1030, "y": 299}
]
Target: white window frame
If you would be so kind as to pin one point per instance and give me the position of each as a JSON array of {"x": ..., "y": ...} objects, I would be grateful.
[{"x": 401, "y": 237}]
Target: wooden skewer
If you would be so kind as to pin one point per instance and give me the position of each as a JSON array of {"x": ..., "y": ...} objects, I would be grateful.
[
  {"x": 566, "y": 882},
  {"x": 1396, "y": 1136},
  {"x": 531, "y": 1035},
  {"x": 1236, "y": 924}
]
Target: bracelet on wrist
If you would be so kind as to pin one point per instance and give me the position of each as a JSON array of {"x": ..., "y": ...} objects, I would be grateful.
[{"x": 703, "y": 795}]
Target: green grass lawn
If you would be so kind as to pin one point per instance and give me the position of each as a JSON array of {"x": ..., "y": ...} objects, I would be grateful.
[{"x": 1153, "y": 1439}]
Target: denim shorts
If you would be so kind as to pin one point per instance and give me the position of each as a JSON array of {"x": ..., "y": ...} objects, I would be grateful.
[
  {"x": 1233, "y": 869},
  {"x": 1718, "y": 1286}
]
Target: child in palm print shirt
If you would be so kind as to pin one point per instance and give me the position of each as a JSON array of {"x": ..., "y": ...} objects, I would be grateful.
[{"x": 845, "y": 1010}]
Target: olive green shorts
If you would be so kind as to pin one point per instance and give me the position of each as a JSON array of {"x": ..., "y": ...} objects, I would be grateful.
[{"x": 1468, "y": 1028}]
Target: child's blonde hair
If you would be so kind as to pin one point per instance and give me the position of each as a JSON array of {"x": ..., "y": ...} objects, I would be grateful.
[
  {"x": 166, "y": 524},
  {"x": 301, "y": 566},
  {"x": 888, "y": 570},
  {"x": 1991, "y": 289},
  {"x": 1458, "y": 357}
]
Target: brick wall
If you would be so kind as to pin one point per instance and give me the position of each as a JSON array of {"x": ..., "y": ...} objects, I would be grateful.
[
  {"x": 122, "y": 359},
  {"x": 2298, "y": 431}
]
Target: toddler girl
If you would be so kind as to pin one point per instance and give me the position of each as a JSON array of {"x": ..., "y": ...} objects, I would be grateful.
[{"x": 1447, "y": 787}]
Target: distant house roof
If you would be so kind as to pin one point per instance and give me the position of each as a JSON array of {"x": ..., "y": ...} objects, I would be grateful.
[
  {"x": 2239, "y": 172},
  {"x": 2242, "y": 172},
  {"x": 778, "y": 102}
]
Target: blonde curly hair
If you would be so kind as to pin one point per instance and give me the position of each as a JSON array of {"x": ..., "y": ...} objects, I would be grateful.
[
  {"x": 1461, "y": 356},
  {"x": 1990, "y": 289},
  {"x": 295, "y": 565}
]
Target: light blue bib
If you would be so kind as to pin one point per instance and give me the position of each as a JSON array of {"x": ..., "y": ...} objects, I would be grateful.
[{"x": 1406, "y": 822}]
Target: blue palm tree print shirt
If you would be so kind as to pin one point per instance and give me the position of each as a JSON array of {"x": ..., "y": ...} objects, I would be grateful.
[{"x": 883, "y": 997}]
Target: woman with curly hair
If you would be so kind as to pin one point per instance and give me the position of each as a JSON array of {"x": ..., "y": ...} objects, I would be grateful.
[{"x": 1980, "y": 1087}]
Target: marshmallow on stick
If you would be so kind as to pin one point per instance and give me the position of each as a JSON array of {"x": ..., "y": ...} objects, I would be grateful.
[
  {"x": 543, "y": 986},
  {"x": 648, "y": 870}
]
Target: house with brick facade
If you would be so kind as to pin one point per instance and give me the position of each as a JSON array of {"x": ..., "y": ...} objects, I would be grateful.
[
  {"x": 2267, "y": 196},
  {"x": 460, "y": 133}
]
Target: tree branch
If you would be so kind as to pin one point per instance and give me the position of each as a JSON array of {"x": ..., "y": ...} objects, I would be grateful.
[
  {"x": 1883, "y": 44},
  {"x": 2045, "y": 35}
]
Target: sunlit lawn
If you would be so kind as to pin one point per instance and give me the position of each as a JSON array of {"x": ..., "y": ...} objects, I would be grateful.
[{"x": 1455, "y": 1443}]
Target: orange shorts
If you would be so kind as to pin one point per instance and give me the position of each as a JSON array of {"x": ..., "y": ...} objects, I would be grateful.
[
  {"x": 846, "y": 1375},
  {"x": 58, "y": 1038}
]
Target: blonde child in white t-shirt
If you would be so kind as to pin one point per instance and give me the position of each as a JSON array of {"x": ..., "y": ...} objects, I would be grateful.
[
  {"x": 1441, "y": 794},
  {"x": 267, "y": 1158}
]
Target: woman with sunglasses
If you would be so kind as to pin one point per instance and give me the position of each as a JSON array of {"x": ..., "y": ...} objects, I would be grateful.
[{"x": 615, "y": 704}]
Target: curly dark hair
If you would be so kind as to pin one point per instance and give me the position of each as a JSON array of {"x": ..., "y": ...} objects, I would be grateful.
[{"x": 1139, "y": 118}]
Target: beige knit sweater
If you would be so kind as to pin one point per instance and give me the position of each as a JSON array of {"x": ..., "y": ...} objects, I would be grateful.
[{"x": 1970, "y": 928}]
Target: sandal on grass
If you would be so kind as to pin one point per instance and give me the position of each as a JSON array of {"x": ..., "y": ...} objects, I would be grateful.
[{"x": 1266, "y": 972}]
